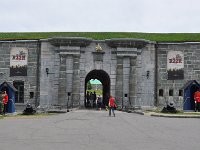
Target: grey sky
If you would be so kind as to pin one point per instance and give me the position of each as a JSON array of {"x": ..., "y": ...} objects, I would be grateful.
[{"x": 100, "y": 15}]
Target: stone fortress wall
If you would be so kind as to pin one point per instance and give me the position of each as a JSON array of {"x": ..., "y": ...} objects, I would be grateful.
[{"x": 134, "y": 70}]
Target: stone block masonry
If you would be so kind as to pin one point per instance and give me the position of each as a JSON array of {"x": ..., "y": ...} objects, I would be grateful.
[{"x": 132, "y": 70}]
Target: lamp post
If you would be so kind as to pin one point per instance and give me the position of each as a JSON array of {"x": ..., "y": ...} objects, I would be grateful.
[
  {"x": 47, "y": 72},
  {"x": 68, "y": 95}
]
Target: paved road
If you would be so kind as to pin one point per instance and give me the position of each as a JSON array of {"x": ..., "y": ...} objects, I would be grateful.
[{"x": 94, "y": 130}]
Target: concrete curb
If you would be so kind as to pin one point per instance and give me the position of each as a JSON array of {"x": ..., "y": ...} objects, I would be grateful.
[
  {"x": 175, "y": 116},
  {"x": 138, "y": 112},
  {"x": 153, "y": 114}
]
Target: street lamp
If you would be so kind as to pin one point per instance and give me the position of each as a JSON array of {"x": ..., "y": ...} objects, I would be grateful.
[
  {"x": 68, "y": 95},
  {"x": 47, "y": 72}
]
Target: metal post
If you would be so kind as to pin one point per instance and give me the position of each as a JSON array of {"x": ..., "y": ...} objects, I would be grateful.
[
  {"x": 68, "y": 95},
  {"x": 122, "y": 102}
]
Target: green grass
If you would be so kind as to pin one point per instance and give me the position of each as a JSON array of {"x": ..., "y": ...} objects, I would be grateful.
[{"x": 159, "y": 37}]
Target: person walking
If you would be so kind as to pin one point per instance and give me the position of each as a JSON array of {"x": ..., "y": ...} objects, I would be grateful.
[
  {"x": 1, "y": 103},
  {"x": 99, "y": 101},
  {"x": 88, "y": 99},
  {"x": 91, "y": 99},
  {"x": 94, "y": 99},
  {"x": 112, "y": 106}
]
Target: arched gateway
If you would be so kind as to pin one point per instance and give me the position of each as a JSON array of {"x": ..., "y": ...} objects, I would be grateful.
[
  {"x": 121, "y": 65},
  {"x": 104, "y": 78}
]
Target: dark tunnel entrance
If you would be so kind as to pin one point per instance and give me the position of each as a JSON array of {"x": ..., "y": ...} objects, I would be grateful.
[{"x": 104, "y": 78}]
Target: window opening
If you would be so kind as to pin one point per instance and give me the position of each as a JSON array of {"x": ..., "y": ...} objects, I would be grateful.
[
  {"x": 19, "y": 94},
  {"x": 31, "y": 95},
  {"x": 180, "y": 93},
  {"x": 161, "y": 92},
  {"x": 171, "y": 93}
]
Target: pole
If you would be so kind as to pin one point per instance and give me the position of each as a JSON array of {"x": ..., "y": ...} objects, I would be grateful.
[{"x": 68, "y": 94}]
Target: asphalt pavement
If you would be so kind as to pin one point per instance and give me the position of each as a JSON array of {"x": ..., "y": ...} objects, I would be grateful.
[{"x": 95, "y": 130}]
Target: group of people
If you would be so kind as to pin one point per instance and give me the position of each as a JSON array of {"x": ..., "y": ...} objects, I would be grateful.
[
  {"x": 91, "y": 99},
  {"x": 94, "y": 101},
  {"x": 4, "y": 102}
]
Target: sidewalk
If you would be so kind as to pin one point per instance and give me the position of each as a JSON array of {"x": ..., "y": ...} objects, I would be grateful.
[
  {"x": 141, "y": 112},
  {"x": 169, "y": 115}
]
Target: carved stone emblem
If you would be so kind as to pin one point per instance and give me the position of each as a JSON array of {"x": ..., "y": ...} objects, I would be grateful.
[{"x": 98, "y": 48}]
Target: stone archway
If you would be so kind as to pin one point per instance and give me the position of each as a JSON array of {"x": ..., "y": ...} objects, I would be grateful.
[{"x": 104, "y": 78}]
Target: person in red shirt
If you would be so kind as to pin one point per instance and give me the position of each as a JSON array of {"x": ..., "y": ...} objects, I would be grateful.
[
  {"x": 5, "y": 101},
  {"x": 112, "y": 105},
  {"x": 197, "y": 100}
]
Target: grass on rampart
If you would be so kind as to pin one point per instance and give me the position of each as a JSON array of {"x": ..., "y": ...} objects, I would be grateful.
[{"x": 159, "y": 37}]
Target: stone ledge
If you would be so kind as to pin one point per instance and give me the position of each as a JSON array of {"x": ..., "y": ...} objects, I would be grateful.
[
  {"x": 127, "y": 42},
  {"x": 70, "y": 41}
]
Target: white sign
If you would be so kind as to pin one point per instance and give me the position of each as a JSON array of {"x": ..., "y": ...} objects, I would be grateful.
[
  {"x": 18, "y": 61},
  {"x": 175, "y": 65}
]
